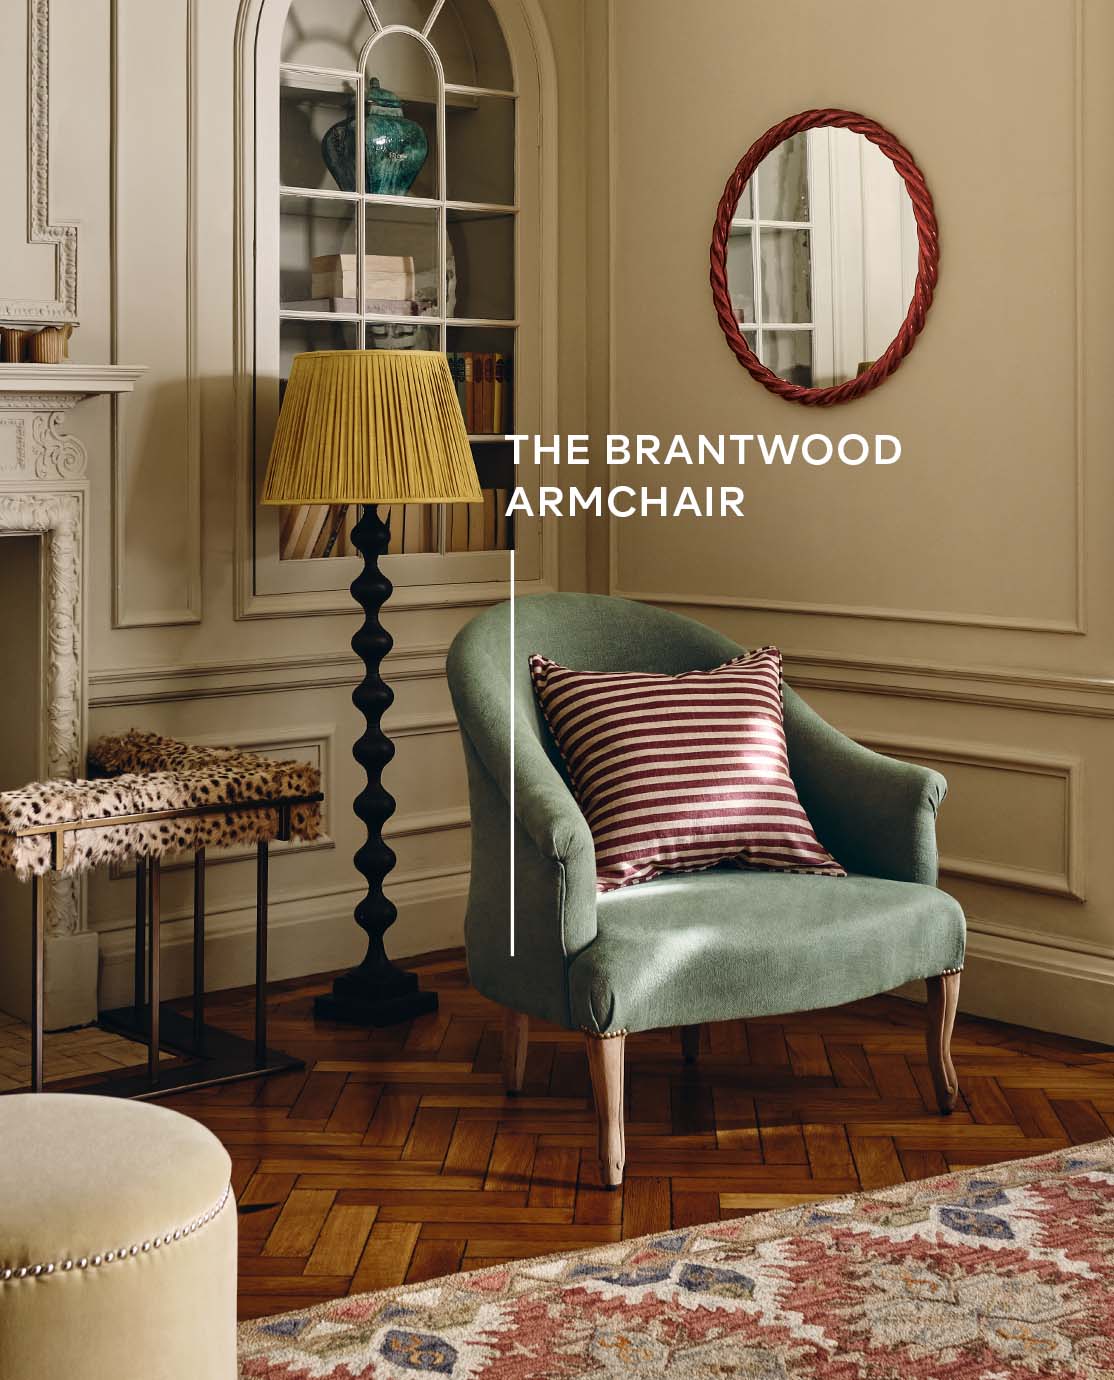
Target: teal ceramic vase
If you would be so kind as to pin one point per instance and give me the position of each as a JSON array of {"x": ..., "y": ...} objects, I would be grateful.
[{"x": 395, "y": 148}]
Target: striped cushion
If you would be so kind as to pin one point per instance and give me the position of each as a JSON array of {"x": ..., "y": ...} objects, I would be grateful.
[{"x": 679, "y": 773}]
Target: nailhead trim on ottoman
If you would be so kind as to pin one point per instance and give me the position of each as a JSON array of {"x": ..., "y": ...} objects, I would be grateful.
[{"x": 86, "y": 1262}]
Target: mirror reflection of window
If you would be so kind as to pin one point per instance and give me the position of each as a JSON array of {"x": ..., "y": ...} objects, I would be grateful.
[{"x": 822, "y": 257}]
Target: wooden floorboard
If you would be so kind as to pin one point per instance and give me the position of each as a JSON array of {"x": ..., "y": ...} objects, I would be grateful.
[{"x": 396, "y": 1157}]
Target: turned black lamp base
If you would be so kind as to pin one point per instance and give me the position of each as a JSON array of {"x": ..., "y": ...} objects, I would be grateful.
[
  {"x": 376, "y": 993},
  {"x": 358, "y": 1003}
]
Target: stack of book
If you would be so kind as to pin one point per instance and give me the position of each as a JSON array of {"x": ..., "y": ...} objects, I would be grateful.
[
  {"x": 390, "y": 285},
  {"x": 483, "y": 385},
  {"x": 385, "y": 275},
  {"x": 480, "y": 526}
]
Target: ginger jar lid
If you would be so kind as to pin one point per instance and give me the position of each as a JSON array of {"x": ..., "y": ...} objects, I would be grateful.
[{"x": 382, "y": 101}]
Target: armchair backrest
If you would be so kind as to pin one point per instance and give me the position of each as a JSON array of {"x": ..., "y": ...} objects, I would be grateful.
[
  {"x": 875, "y": 814},
  {"x": 589, "y": 632}
]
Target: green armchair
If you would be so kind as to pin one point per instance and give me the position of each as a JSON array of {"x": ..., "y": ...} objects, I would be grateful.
[{"x": 686, "y": 948}]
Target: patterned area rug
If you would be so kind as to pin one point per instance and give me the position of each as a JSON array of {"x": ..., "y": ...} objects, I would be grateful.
[{"x": 989, "y": 1275}]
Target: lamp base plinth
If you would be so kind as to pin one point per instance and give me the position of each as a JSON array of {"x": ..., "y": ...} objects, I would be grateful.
[{"x": 385, "y": 997}]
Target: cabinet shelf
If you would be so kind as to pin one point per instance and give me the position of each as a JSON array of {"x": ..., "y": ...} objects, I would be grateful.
[
  {"x": 474, "y": 208},
  {"x": 333, "y": 82},
  {"x": 353, "y": 318}
]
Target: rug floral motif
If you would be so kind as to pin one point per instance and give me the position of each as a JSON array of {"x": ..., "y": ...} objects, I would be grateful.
[{"x": 989, "y": 1275}]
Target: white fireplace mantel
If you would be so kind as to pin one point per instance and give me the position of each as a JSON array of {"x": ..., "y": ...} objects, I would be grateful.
[
  {"x": 34, "y": 400},
  {"x": 44, "y": 493},
  {"x": 84, "y": 379}
]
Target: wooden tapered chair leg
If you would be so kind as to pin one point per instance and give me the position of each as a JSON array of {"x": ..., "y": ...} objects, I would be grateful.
[
  {"x": 606, "y": 1058},
  {"x": 690, "y": 1043},
  {"x": 943, "y": 998},
  {"x": 516, "y": 1042}
]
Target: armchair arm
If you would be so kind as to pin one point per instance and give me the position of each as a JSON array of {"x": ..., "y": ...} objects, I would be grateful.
[
  {"x": 875, "y": 814},
  {"x": 551, "y": 825}
]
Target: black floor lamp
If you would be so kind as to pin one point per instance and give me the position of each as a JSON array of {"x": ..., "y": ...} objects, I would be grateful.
[{"x": 372, "y": 427}]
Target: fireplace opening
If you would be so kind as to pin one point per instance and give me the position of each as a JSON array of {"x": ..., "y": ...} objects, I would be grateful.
[{"x": 21, "y": 746}]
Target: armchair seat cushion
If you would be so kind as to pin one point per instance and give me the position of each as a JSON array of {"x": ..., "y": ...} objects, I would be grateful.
[{"x": 720, "y": 945}]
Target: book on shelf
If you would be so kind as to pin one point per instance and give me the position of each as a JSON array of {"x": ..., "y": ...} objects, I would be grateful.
[
  {"x": 478, "y": 423},
  {"x": 499, "y": 394},
  {"x": 480, "y": 527},
  {"x": 469, "y": 391},
  {"x": 476, "y": 522},
  {"x": 387, "y": 276},
  {"x": 291, "y": 525},
  {"x": 417, "y": 527},
  {"x": 411, "y": 527},
  {"x": 331, "y": 540},
  {"x": 483, "y": 384},
  {"x": 456, "y": 368},
  {"x": 457, "y": 534},
  {"x": 391, "y": 514},
  {"x": 315, "y": 531},
  {"x": 502, "y": 521},
  {"x": 490, "y": 520}
]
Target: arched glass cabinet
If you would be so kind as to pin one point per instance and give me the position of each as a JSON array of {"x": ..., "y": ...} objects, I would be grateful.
[{"x": 424, "y": 234}]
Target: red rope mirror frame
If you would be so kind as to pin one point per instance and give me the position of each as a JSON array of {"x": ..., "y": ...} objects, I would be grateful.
[{"x": 928, "y": 258}]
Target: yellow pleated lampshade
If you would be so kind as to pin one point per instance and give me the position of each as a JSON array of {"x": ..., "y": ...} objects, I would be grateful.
[{"x": 371, "y": 426}]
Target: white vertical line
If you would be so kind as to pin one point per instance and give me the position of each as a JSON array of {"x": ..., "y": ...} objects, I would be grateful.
[
  {"x": 511, "y": 792},
  {"x": 1080, "y": 284},
  {"x": 359, "y": 132},
  {"x": 441, "y": 192}
]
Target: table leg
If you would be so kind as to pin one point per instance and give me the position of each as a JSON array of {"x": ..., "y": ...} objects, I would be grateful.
[
  {"x": 38, "y": 926},
  {"x": 153, "y": 1012},
  {"x": 261, "y": 884},
  {"x": 138, "y": 992},
  {"x": 199, "y": 950}
]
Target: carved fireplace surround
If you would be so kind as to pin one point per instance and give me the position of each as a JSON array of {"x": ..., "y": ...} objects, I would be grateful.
[{"x": 44, "y": 493}]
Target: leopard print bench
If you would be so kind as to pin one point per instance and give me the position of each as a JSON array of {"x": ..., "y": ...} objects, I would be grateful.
[
  {"x": 137, "y": 773},
  {"x": 156, "y": 797}
]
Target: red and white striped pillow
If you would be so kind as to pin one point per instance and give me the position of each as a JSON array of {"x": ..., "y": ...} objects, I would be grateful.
[{"x": 679, "y": 773}]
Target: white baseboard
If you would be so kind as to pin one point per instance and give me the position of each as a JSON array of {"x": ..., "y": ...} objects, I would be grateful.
[
  {"x": 1033, "y": 984},
  {"x": 308, "y": 934},
  {"x": 70, "y": 978}
]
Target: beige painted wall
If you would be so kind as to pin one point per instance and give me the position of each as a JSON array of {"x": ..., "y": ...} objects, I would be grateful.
[
  {"x": 158, "y": 285},
  {"x": 955, "y": 607}
]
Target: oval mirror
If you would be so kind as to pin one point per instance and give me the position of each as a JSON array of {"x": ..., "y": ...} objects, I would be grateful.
[{"x": 824, "y": 256}]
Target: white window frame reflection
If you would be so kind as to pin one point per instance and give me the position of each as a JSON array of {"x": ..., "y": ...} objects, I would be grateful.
[
  {"x": 756, "y": 332},
  {"x": 852, "y": 310}
]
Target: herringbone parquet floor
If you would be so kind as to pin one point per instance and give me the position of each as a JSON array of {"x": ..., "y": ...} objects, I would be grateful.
[{"x": 396, "y": 1157}]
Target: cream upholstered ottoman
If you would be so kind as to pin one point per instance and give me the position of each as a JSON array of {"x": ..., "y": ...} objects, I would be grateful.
[{"x": 117, "y": 1243}]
